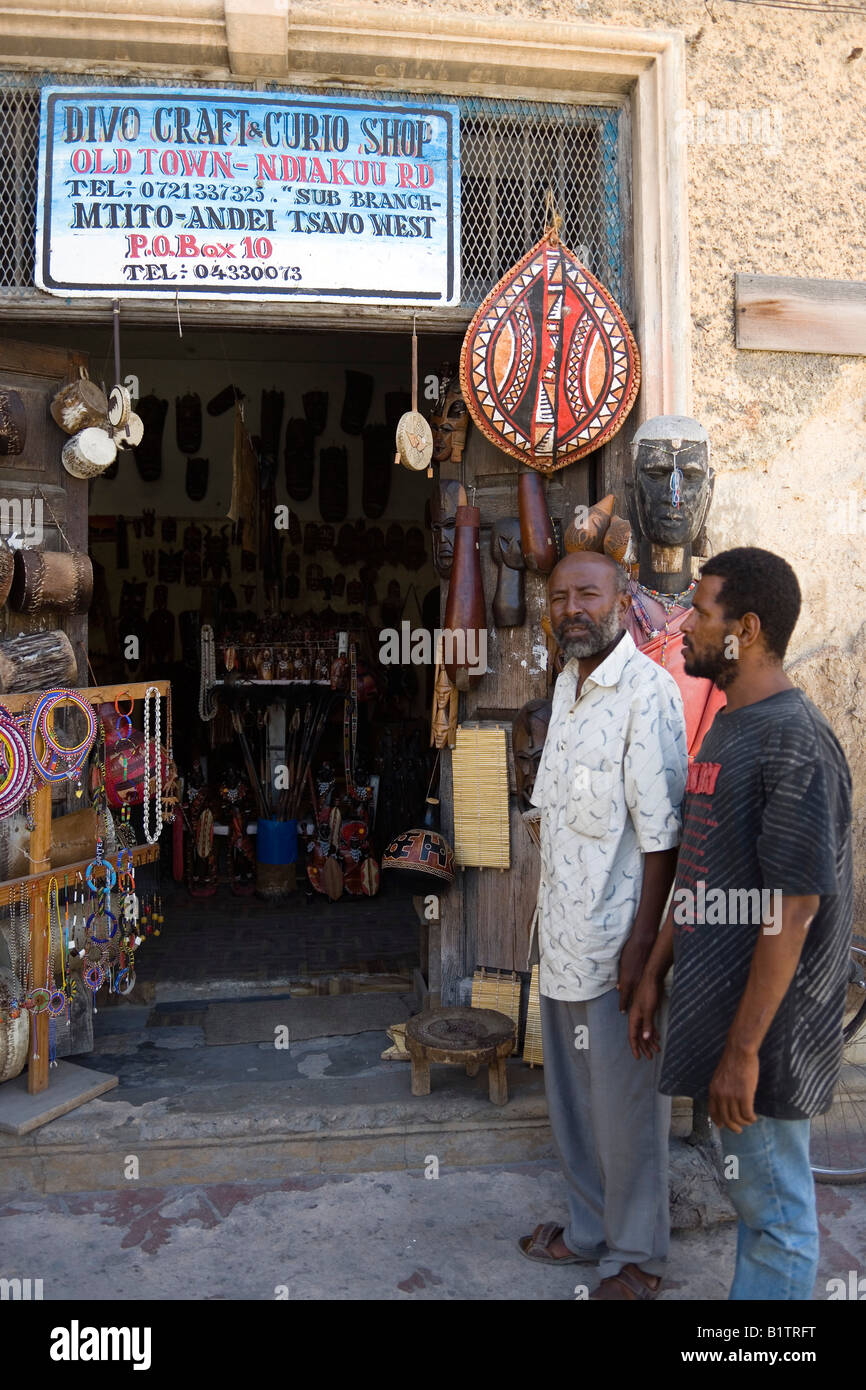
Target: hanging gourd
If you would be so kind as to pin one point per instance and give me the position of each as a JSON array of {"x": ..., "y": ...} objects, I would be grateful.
[{"x": 549, "y": 367}]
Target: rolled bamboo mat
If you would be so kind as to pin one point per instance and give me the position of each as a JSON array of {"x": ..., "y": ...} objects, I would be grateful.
[
  {"x": 492, "y": 989},
  {"x": 480, "y": 778},
  {"x": 532, "y": 1049}
]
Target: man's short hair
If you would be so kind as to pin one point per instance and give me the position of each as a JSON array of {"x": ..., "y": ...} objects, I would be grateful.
[
  {"x": 620, "y": 575},
  {"x": 757, "y": 581}
]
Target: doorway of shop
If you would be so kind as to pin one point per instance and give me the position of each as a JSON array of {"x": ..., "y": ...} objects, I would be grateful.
[{"x": 253, "y": 549}]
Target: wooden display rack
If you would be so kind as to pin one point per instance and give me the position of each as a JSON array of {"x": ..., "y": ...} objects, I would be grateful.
[{"x": 91, "y": 1083}]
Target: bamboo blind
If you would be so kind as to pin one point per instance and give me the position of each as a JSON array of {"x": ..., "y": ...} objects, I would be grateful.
[
  {"x": 480, "y": 774},
  {"x": 495, "y": 990},
  {"x": 532, "y": 1049}
]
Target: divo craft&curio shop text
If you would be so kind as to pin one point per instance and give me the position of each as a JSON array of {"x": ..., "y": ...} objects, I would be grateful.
[{"x": 202, "y": 192}]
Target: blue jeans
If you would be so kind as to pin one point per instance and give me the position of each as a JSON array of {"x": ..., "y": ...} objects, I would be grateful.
[{"x": 774, "y": 1197}]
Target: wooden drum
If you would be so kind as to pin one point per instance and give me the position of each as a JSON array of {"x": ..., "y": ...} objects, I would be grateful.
[
  {"x": 37, "y": 660},
  {"x": 89, "y": 453},
  {"x": 7, "y": 567},
  {"x": 79, "y": 405},
  {"x": 13, "y": 423},
  {"x": 62, "y": 580}
]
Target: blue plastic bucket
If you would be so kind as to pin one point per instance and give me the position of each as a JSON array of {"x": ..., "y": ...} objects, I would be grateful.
[{"x": 277, "y": 841}]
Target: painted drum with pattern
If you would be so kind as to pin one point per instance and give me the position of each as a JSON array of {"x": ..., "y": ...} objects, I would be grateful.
[
  {"x": 422, "y": 855},
  {"x": 549, "y": 368}
]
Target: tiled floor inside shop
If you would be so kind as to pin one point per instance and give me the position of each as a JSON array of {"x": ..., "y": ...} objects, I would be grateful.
[{"x": 212, "y": 942}]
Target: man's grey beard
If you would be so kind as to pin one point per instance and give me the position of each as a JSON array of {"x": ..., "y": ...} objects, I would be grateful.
[{"x": 598, "y": 636}]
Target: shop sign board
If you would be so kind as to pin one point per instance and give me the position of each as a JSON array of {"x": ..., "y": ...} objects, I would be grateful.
[{"x": 248, "y": 195}]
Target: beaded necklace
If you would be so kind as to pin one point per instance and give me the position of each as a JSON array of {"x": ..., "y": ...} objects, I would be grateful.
[
  {"x": 152, "y": 755},
  {"x": 668, "y": 602}
]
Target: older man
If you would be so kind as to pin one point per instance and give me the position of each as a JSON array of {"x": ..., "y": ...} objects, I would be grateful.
[{"x": 609, "y": 787}]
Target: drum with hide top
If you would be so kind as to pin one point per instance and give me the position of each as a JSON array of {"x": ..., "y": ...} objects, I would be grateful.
[{"x": 62, "y": 580}]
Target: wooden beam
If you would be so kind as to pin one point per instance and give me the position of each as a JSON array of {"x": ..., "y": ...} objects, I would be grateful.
[
  {"x": 141, "y": 854},
  {"x": 40, "y": 850},
  {"x": 782, "y": 313},
  {"x": 32, "y": 359},
  {"x": 94, "y": 694}
]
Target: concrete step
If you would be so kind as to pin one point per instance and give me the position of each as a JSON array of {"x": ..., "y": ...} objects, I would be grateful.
[{"x": 186, "y": 1114}]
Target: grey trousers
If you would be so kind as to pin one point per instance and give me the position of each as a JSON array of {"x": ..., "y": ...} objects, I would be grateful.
[{"x": 610, "y": 1127}]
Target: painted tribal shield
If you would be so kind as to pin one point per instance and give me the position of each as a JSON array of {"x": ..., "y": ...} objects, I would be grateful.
[{"x": 549, "y": 367}]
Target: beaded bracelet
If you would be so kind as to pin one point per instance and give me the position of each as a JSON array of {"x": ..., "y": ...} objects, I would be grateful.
[
  {"x": 93, "y": 977},
  {"x": 111, "y": 876},
  {"x": 40, "y": 1004},
  {"x": 41, "y": 721},
  {"x": 57, "y": 1003},
  {"x": 101, "y": 940},
  {"x": 18, "y": 776}
]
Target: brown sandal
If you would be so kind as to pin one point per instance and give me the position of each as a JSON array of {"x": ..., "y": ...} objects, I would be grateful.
[
  {"x": 541, "y": 1240},
  {"x": 628, "y": 1286}
]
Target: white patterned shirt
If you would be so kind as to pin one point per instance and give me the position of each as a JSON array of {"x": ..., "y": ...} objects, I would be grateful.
[{"x": 610, "y": 786}]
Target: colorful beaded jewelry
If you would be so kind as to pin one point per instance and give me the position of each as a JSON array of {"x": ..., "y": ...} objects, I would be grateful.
[
  {"x": 668, "y": 602},
  {"x": 102, "y": 940},
  {"x": 110, "y": 879},
  {"x": 57, "y": 764},
  {"x": 93, "y": 977},
  {"x": 38, "y": 999},
  {"x": 57, "y": 1003},
  {"x": 17, "y": 767}
]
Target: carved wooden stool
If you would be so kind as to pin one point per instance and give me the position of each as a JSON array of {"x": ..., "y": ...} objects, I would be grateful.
[{"x": 462, "y": 1037}]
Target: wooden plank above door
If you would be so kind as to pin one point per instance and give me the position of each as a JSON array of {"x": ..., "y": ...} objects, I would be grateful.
[
  {"x": 32, "y": 359},
  {"x": 779, "y": 313}
]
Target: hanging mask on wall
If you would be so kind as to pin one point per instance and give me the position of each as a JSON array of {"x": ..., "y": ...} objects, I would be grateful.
[{"x": 187, "y": 420}]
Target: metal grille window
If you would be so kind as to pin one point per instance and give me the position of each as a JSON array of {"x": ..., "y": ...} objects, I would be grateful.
[{"x": 512, "y": 152}]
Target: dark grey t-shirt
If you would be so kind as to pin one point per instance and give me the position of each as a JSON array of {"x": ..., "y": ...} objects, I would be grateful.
[{"x": 767, "y": 812}]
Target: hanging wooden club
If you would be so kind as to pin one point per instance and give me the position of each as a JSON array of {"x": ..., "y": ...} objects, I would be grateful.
[
  {"x": 414, "y": 436},
  {"x": 549, "y": 368}
]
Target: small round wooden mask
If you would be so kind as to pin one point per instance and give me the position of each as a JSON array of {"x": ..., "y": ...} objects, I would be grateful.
[{"x": 414, "y": 441}]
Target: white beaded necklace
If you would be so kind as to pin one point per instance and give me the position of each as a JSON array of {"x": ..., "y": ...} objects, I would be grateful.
[
  {"x": 206, "y": 703},
  {"x": 157, "y": 767}
]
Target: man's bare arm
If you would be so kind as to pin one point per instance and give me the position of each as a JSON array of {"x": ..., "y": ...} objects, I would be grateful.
[
  {"x": 774, "y": 961},
  {"x": 642, "y": 1032},
  {"x": 658, "y": 875}
]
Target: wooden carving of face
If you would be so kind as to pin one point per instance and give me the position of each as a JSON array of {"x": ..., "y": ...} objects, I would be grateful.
[
  {"x": 672, "y": 489},
  {"x": 447, "y": 497},
  {"x": 505, "y": 543},
  {"x": 450, "y": 423},
  {"x": 528, "y": 733}
]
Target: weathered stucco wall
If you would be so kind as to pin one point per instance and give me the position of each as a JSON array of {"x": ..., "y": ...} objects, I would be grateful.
[{"x": 788, "y": 430}]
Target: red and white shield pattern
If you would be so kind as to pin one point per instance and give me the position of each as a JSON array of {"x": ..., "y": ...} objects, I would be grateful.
[{"x": 549, "y": 368}]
